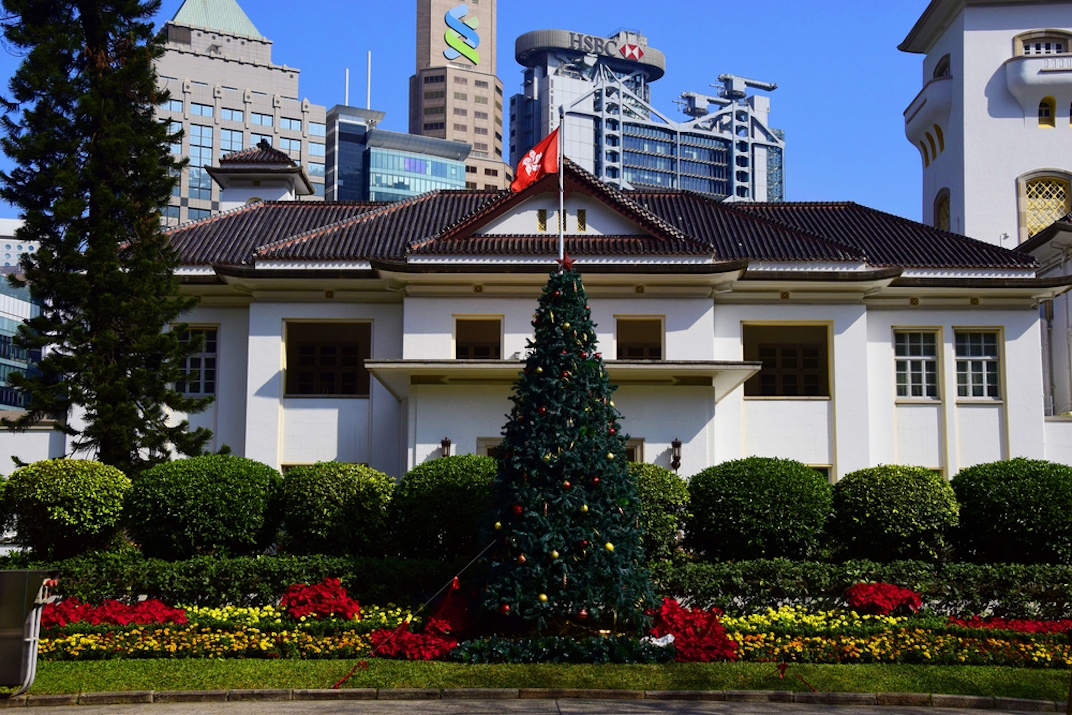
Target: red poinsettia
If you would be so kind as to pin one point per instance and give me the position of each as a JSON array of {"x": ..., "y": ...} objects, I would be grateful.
[
  {"x": 322, "y": 600},
  {"x": 1013, "y": 624},
  {"x": 881, "y": 599},
  {"x": 432, "y": 643},
  {"x": 111, "y": 612},
  {"x": 699, "y": 635}
]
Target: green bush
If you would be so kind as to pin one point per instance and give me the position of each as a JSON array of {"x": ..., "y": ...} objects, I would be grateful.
[
  {"x": 61, "y": 507},
  {"x": 438, "y": 507},
  {"x": 664, "y": 499},
  {"x": 759, "y": 507},
  {"x": 957, "y": 589},
  {"x": 241, "y": 581},
  {"x": 1015, "y": 511},
  {"x": 213, "y": 504},
  {"x": 335, "y": 508},
  {"x": 892, "y": 512}
]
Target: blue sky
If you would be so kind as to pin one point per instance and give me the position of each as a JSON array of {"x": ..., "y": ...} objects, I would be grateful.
[{"x": 842, "y": 83}]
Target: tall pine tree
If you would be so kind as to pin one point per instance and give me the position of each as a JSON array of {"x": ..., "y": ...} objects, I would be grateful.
[
  {"x": 565, "y": 521},
  {"x": 92, "y": 174}
]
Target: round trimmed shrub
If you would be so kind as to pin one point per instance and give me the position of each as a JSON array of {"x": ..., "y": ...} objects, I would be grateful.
[
  {"x": 336, "y": 509},
  {"x": 893, "y": 512},
  {"x": 62, "y": 507},
  {"x": 758, "y": 508},
  {"x": 438, "y": 507},
  {"x": 1018, "y": 511},
  {"x": 212, "y": 504},
  {"x": 664, "y": 499}
]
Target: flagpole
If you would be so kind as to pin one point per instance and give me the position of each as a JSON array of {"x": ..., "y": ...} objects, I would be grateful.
[{"x": 561, "y": 190}]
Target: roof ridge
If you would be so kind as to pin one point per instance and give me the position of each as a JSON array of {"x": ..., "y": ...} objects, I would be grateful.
[{"x": 217, "y": 215}]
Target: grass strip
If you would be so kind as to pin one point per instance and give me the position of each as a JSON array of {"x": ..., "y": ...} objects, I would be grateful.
[{"x": 204, "y": 674}]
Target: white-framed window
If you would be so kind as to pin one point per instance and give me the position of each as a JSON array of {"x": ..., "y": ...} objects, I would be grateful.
[
  {"x": 978, "y": 364},
  {"x": 265, "y": 120},
  {"x": 200, "y": 367},
  {"x": 916, "y": 354},
  {"x": 477, "y": 338},
  {"x": 634, "y": 449}
]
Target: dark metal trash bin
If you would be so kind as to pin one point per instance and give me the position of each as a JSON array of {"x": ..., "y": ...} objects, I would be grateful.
[{"x": 23, "y": 595}]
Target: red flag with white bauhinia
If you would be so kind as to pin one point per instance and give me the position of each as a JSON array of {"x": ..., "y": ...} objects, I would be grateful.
[{"x": 541, "y": 159}]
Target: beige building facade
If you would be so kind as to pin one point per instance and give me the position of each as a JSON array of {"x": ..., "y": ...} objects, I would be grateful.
[
  {"x": 455, "y": 93},
  {"x": 227, "y": 95}
]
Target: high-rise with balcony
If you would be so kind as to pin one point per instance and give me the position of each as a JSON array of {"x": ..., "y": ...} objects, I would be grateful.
[
  {"x": 992, "y": 121},
  {"x": 455, "y": 93},
  {"x": 228, "y": 95}
]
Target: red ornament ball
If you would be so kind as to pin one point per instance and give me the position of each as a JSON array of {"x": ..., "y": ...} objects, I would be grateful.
[
  {"x": 612, "y": 430},
  {"x": 595, "y": 481},
  {"x": 518, "y": 509},
  {"x": 504, "y": 609},
  {"x": 582, "y": 614},
  {"x": 542, "y": 410},
  {"x": 565, "y": 374},
  {"x": 566, "y": 484},
  {"x": 555, "y": 294},
  {"x": 521, "y": 559},
  {"x": 584, "y": 543}
]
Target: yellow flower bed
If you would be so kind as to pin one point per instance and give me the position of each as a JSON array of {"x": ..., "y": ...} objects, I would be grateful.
[{"x": 788, "y": 617}]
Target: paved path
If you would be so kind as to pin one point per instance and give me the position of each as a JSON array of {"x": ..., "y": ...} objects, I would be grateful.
[{"x": 508, "y": 702}]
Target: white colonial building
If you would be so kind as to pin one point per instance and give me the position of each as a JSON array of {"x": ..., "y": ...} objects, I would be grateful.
[{"x": 829, "y": 333}]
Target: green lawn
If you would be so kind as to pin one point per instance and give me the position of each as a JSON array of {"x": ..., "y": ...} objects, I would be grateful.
[{"x": 195, "y": 674}]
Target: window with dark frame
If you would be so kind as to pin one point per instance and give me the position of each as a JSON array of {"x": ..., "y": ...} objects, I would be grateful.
[
  {"x": 327, "y": 359},
  {"x": 478, "y": 338},
  {"x": 794, "y": 357},
  {"x": 200, "y": 367}
]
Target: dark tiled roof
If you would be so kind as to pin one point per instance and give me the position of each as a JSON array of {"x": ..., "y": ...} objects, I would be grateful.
[
  {"x": 264, "y": 154},
  {"x": 733, "y": 235},
  {"x": 385, "y": 232},
  {"x": 453, "y": 223},
  {"x": 546, "y": 244},
  {"x": 231, "y": 238},
  {"x": 888, "y": 240}
]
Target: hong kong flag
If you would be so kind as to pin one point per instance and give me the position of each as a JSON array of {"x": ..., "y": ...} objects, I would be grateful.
[{"x": 541, "y": 159}]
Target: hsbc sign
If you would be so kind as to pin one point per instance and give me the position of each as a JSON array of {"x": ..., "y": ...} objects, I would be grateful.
[{"x": 605, "y": 46}]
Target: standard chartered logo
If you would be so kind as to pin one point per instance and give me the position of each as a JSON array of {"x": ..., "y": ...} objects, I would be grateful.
[{"x": 461, "y": 36}]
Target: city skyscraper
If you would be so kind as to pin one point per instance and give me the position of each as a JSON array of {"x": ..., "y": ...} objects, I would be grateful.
[
  {"x": 227, "y": 95},
  {"x": 455, "y": 93},
  {"x": 725, "y": 148}
]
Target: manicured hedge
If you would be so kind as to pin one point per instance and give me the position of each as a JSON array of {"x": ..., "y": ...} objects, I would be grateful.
[
  {"x": 242, "y": 581},
  {"x": 1019, "y": 510},
  {"x": 664, "y": 501},
  {"x": 759, "y": 507},
  {"x": 893, "y": 512},
  {"x": 1007, "y": 590}
]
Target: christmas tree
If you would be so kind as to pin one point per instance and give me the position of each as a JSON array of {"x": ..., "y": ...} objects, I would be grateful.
[{"x": 565, "y": 525}]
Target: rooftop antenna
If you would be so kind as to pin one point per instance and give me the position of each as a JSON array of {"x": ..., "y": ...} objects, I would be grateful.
[
  {"x": 346, "y": 90},
  {"x": 368, "y": 83}
]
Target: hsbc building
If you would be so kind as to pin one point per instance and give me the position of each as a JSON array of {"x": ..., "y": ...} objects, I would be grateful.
[{"x": 723, "y": 147}]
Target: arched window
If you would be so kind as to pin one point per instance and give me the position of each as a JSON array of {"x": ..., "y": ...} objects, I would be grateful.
[
  {"x": 1046, "y": 199},
  {"x": 941, "y": 138},
  {"x": 941, "y": 210},
  {"x": 1042, "y": 42},
  {"x": 934, "y": 148},
  {"x": 942, "y": 69},
  {"x": 1047, "y": 112}
]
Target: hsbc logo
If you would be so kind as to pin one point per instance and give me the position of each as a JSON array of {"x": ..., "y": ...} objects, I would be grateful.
[{"x": 605, "y": 46}]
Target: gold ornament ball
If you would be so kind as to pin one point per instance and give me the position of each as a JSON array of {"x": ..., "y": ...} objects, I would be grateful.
[
  {"x": 539, "y": 370},
  {"x": 554, "y": 554},
  {"x": 584, "y": 508},
  {"x": 498, "y": 525},
  {"x": 608, "y": 546},
  {"x": 610, "y": 455},
  {"x": 542, "y": 597},
  {"x": 566, "y": 325}
]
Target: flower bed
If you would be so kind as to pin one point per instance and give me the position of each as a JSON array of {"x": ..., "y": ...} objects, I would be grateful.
[{"x": 313, "y": 623}]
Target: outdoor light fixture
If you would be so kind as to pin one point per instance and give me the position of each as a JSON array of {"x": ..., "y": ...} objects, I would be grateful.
[
  {"x": 444, "y": 447},
  {"x": 675, "y": 454}
]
